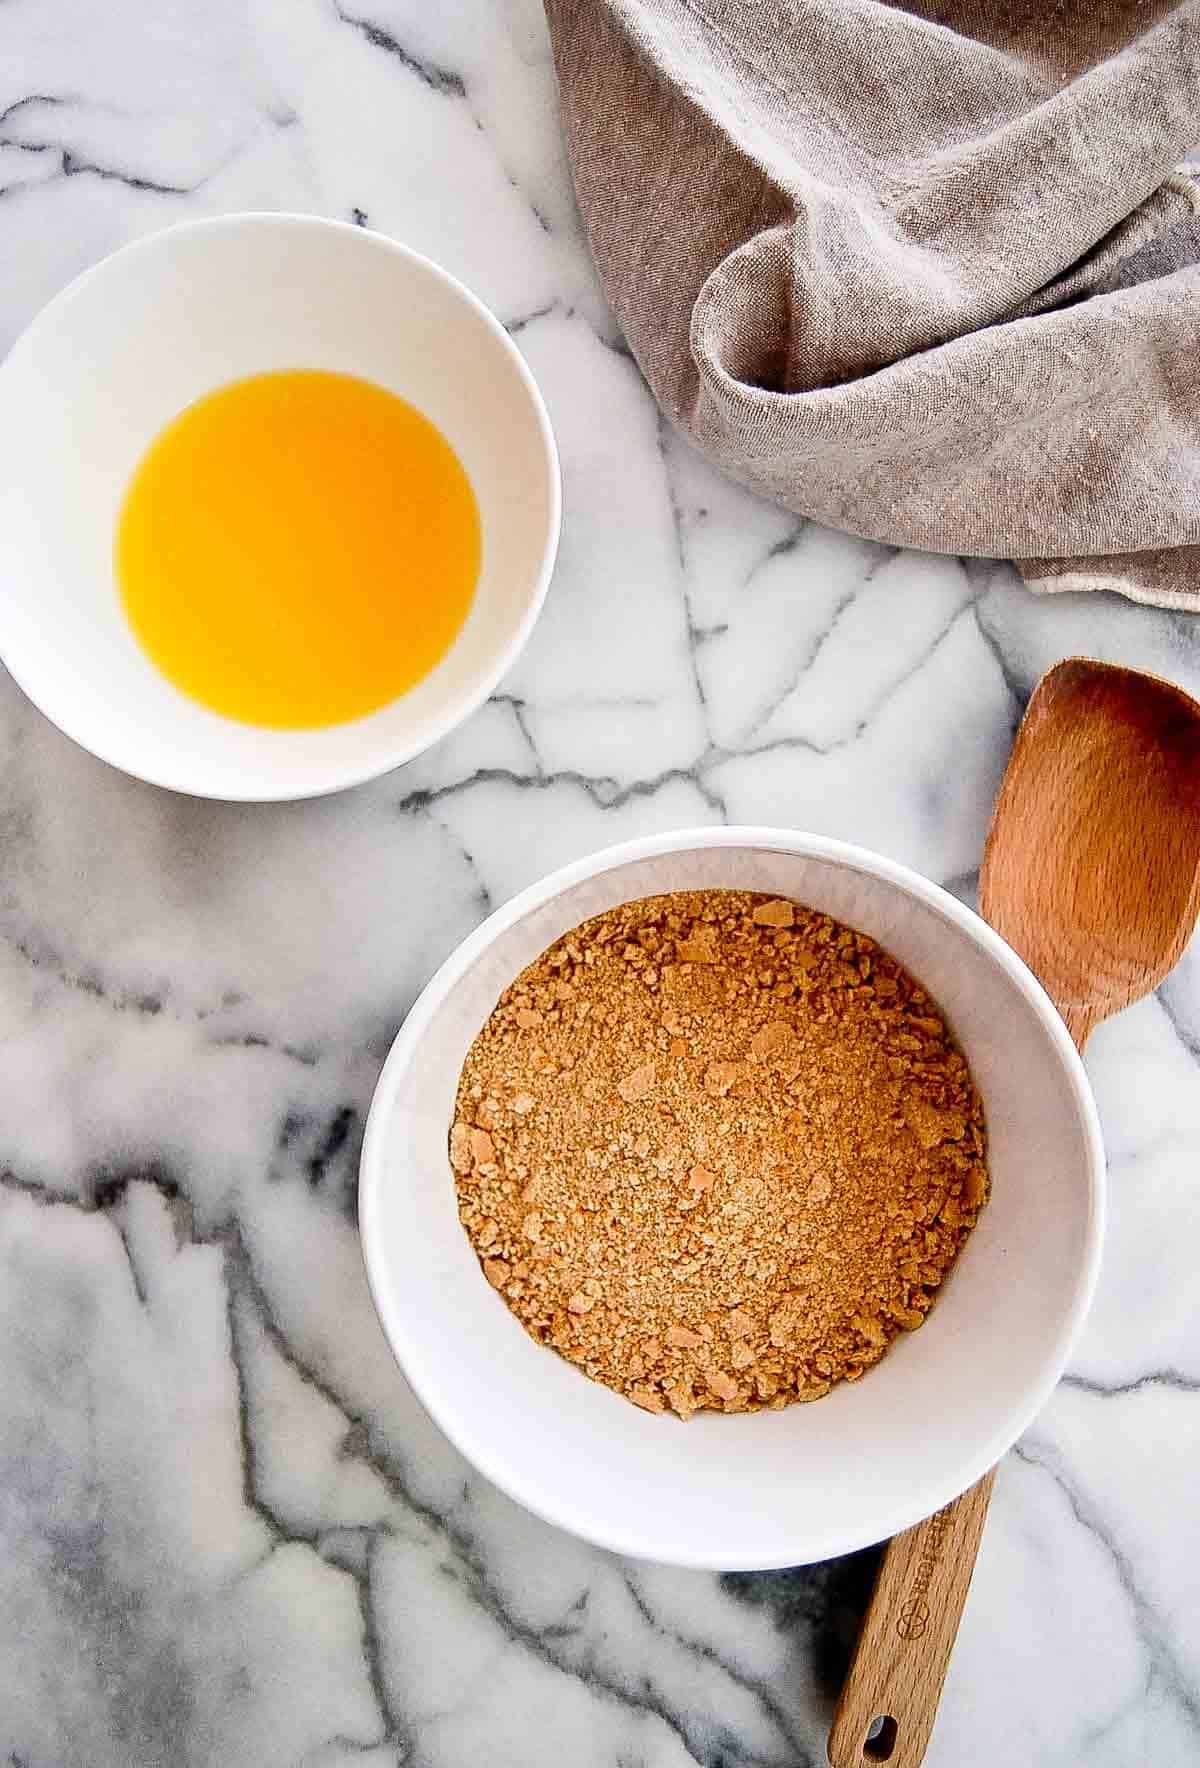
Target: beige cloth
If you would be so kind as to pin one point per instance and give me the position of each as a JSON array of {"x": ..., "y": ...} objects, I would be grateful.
[{"x": 925, "y": 273}]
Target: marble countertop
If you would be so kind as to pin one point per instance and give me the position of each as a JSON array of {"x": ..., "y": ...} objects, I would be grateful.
[{"x": 228, "y": 1534}]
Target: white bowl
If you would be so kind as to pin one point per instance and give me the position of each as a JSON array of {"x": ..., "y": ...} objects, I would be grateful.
[
  {"x": 165, "y": 320},
  {"x": 769, "y": 1488}
]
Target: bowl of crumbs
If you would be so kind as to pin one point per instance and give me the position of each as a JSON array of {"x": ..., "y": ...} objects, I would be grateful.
[{"x": 732, "y": 1198}]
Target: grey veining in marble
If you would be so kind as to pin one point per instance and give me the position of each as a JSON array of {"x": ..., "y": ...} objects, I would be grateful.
[{"x": 228, "y": 1534}]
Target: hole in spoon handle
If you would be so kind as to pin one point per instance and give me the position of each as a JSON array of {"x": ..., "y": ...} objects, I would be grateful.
[
  {"x": 881, "y": 1739},
  {"x": 907, "y": 1637}
]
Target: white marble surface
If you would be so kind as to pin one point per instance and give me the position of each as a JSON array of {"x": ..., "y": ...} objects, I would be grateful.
[{"x": 228, "y": 1535}]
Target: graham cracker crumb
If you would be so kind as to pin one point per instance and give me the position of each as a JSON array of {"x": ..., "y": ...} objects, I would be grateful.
[
  {"x": 460, "y": 1148},
  {"x": 754, "y": 1146},
  {"x": 639, "y": 1084}
]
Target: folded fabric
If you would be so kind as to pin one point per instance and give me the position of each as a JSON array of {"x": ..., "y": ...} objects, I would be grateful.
[{"x": 925, "y": 273}]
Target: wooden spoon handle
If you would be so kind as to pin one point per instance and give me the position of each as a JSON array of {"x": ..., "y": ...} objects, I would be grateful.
[
  {"x": 896, "y": 1677},
  {"x": 890, "y": 1701}
]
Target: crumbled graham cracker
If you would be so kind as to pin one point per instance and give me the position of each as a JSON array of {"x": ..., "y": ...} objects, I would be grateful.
[{"x": 755, "y": 1149}]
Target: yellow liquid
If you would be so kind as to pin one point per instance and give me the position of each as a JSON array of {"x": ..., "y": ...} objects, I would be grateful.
[{"x": 297, "y": 549}]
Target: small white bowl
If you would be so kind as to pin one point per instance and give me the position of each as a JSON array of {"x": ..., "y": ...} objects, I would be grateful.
[
  {"x": 117, "y": 354},
  {"x": 769, "y": 1488}
]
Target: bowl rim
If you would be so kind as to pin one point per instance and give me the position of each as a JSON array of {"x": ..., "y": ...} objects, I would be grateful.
[
  {"x": 554, "y": 1506},
  {"x": 187, "y": 777}
]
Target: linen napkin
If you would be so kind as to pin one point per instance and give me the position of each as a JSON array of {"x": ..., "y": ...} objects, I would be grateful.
[{"x": 927, "y": 273}]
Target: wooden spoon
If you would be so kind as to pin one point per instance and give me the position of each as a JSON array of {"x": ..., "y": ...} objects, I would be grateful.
[{"x": 1092, "y": 872}]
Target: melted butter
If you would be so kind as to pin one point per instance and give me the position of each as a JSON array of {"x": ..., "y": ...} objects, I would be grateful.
[{"x": 297, "y": 549}]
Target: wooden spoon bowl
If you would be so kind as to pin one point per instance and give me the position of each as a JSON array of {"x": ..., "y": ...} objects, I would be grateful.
[{"x": 1092, "y": 864}]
